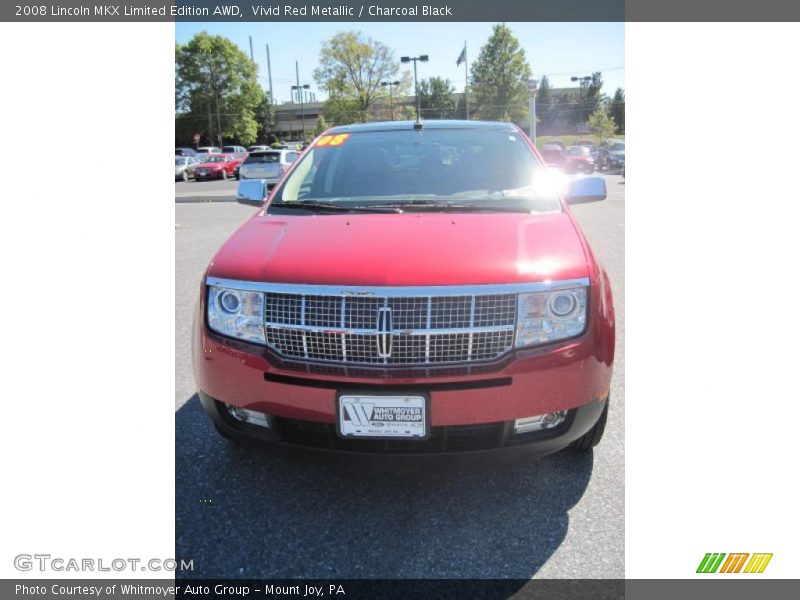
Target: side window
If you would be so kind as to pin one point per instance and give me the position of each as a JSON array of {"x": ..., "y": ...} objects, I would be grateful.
[{"x": 291, "y": 157}]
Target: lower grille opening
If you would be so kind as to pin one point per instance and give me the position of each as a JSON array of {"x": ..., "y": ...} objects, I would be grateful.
[{"x": 453, "y": 438}]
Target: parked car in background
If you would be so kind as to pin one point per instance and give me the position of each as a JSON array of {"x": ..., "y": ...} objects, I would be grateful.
[
  {"x": 354, "y": 312},
  {"x": 185, "y": 152},
  {"x": 612, "y": 155},
  {"x": 579, "y": 160},
  {"x": 209, "y": 150},
  {"x": 268, "y": 164},
  {"x": 184, "y": 167},
  {"x": 238, "y": 150},
  {"x": 216, "y": 166},
  {"x": 553, "y": 156},
  {"x": 258, "y": 148},
  {"x": 558, "y": 143},
  {"x": 594, "y": 149}
]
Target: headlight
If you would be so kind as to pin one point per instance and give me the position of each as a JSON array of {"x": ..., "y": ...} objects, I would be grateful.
[
  {"x": 544, "y": 317},
  {"x": 237, "y": 313}
]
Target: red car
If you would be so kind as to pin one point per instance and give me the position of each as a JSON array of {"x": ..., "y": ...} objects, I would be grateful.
[
  {"x": 553, "y": 157},
  {"x": 217, "y": 166},
  {"x": 579, "y": 160},
  {"x": 409, "y": 291}
]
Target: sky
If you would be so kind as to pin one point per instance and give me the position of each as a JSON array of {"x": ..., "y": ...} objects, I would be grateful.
[{"x": 558, "y": 50}]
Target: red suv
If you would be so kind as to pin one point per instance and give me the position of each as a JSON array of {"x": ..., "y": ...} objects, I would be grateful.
[{"x": 410, "y": 290}]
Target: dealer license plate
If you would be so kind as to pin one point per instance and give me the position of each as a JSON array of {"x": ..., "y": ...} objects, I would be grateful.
[{"x": 382, "y": 417}]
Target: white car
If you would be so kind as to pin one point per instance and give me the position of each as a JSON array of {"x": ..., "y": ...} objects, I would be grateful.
[
  {"x": 267, "y": 164},
  {"x": 238, "y": 150}
]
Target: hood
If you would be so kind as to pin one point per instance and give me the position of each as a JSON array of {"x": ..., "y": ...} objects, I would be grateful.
[
  {"x": 208, "y": 166},
  {"x": 617, "y": 154},
  {"x": 403, "y": 249}
]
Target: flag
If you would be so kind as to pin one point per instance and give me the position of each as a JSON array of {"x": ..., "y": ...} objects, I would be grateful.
[{"x": 462, "y": 57}]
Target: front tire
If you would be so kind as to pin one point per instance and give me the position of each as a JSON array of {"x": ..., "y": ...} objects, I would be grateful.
[
  {"x": 185, "y": 176},
  {"x": 591, "y": 438},
  {"x": 224, "y": 174}
]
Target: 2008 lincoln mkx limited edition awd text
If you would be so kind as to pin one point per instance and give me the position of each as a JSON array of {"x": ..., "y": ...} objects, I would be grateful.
[{"x": 410, "y": 290}]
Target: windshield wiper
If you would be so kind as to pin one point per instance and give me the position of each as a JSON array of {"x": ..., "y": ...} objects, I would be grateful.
[
  {"x": 455, "y": 206},
  {"x": 329, "y": 206}
]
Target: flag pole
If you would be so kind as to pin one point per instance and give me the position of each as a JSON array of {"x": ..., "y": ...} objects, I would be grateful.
[{"x": 466, "y": 79}]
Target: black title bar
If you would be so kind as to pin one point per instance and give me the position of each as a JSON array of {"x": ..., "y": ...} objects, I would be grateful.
[{"x": 399, "y": 10}]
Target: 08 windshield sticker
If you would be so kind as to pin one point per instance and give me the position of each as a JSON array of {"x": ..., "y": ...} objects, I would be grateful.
[{"x": 332, "y": 140}]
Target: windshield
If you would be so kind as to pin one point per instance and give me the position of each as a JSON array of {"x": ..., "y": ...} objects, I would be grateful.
[
  {"x": 269, "y": 157},
  {"x": 617, "y": 148},
  {"x": 215, "y": 159},
  {"x": 487, "y": 168},
  {"x": 179, "y": 162}
]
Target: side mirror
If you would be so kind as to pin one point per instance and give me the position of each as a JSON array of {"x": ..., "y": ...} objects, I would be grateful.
[
  {"x": 251, "y": 191},
  {"x": 586, "y": 189}
]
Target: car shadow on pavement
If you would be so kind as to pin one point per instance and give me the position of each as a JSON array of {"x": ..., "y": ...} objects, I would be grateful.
[{"x": 243, "y": 513}]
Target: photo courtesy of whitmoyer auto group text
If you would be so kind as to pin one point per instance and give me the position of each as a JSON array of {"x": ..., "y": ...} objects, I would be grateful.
[{"x": 397, "y": 247}]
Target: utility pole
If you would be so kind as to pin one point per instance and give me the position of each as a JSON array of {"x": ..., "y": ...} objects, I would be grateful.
[
  {"x": 251, "y": 49},
  {"x": 533, "y": 85},
  {"x": 219, "y": 124},
  {"x": 466, "y": 80},
  {"x": 269, "y": 71}
]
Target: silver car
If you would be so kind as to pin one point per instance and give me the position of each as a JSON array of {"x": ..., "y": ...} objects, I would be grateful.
[
  {"x": 184, "y": 167},
  {"x": 267, "y": 164}
]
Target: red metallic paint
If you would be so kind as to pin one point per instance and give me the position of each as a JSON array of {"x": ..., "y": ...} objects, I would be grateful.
[
  {"x": 416, "y": 249},
  {"x": 403, "y": 249}
]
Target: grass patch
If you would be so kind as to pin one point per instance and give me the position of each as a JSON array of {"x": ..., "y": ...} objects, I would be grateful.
[{"x": 570, "y": 140}]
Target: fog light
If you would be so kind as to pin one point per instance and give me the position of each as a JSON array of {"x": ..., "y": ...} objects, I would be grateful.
[
  {"x": 248, "y": 416},
  {"x": 539, "y": 422}
]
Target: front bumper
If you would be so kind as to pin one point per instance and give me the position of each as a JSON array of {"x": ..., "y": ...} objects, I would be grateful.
[
  {"x": 573, "y": 375},
  {"x": 208, "y": 175},
  {"x": 449, "y": 444}
]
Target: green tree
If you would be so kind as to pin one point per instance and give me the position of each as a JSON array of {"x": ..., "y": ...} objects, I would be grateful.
[
  {"x": 351, "y": 69},
  {"x": 601, "y": 124},
  {"x": 437, "y": 98},
  {"x": 322, "y": 125},
  {"x": 215, "y": 83},
  {"x": 500, "y": 78},
  {"x": 592, "y": 96},
  {"x": 544, "y": 105},
  {"x": 265, "y": 117},
  {"x": 617, "y": 110},
  {"x": 340, "y": 107}
]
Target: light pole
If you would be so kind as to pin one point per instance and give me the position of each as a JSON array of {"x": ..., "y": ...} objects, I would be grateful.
[
  {"x": 414, "y": 59},
  {"x": 300, "y": 92},
  {"x": 391, "y": 85},
  {"x": 582, "y": 82},
  {"x": 533, "y": 85}
]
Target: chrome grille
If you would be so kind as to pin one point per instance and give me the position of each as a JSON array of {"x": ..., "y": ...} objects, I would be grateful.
[{"x": 418, "y": 330}]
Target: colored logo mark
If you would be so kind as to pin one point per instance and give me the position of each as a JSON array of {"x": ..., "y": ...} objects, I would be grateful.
[{"x": 734, "y": 563}]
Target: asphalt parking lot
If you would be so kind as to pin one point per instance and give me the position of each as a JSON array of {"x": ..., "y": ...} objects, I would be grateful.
[
  {"x": 214, "y": 190},
  {"x": 242, "y": 513}
]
